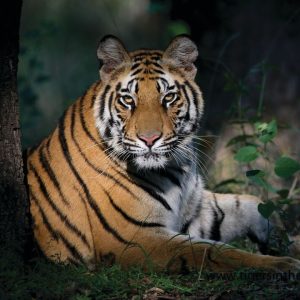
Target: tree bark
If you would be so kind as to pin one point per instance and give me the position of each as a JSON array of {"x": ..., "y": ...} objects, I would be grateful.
[{"x": 13, "y": 194}]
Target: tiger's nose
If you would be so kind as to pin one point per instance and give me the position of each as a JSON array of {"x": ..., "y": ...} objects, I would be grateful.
[{"x": 150, "y": 138}]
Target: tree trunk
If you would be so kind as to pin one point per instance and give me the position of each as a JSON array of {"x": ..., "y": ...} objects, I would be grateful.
[{"x": 13, "y": 195}]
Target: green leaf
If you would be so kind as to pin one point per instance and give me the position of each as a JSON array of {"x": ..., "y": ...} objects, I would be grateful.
[
  {"x": 286, "y": 167},
  {"x": 284, "y": 201},
  {"x": 266, "y": 131},
  {"x": 238, "y": 139},
  {"x": 246, "y": 154},
  {"x": 283, "y": 193},
  {"x": 257, "y": 176},
  {"x": 266, "y": 209}
]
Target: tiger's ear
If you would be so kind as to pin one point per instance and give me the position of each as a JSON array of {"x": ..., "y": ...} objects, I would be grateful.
[
  {"x": 113, "y": 54},
  {"x": 181, "y": 53}
]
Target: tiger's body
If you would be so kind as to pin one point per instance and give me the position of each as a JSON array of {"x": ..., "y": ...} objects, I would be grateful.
[{"x": 117, "y": 179}]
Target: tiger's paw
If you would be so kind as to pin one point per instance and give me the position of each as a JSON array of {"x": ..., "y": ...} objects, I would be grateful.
[{"x": 281, "y": 264}]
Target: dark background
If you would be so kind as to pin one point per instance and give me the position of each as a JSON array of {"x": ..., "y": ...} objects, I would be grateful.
[{"x": 240, "y": 43}]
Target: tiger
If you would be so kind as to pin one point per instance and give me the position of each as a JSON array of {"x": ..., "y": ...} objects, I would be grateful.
[{"x": 117, "y": 180}]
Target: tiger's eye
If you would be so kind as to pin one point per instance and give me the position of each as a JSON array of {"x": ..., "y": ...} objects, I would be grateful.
[
  {"x": 169, "y": 98},
  {"x": 126, "y": 101}
]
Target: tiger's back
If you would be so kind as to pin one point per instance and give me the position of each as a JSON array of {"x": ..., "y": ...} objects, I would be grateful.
[{"x": 117, "y": 178}]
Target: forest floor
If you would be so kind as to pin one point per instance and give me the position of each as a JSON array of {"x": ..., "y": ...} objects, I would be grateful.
[{"x": 41, "y": 279}]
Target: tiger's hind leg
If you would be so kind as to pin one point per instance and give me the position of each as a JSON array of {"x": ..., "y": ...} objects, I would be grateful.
[{"x": 224, "y": 217}]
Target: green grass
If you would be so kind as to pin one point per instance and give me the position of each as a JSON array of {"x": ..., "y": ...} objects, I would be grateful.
[{"x": 41, "y": 279}]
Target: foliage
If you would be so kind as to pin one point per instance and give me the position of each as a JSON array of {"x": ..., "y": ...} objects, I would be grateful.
[{"x": 254, "y": 149}]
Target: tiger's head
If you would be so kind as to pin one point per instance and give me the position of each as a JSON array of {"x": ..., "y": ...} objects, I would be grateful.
[{"x": 149, "y": 106}]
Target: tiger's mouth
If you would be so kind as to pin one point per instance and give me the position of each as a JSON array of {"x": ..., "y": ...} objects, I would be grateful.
[
  {"x": 151, "y": 155},
  {"x": 155, "y": 156},
  {"x": 151, "y": 160}
]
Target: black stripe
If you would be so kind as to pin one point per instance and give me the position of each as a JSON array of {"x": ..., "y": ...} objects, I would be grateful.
[
  {"x": 171, "y": 177},
  {"x": 136, "y": 72},
  {"x": 187, "y": 116},
  {"x": 202, "y": 235},
  {"x": 48, "y": 146},
  {"x": 53, "y": 232},
  {"x": 88, "y": 219},
  {"x": 102, "y": 101},
  {"x": 196, "y": 212},
  {"x": 156, "y": 65},
  {"x": 130, "y": 219},
  {"x": 111, "y": 96},
  {"x": 93, "y": 100},
  {"x": 156, "y": 57},
  {"x": 215, "y": 233},
  {"x": 72, "y": 248},
  {"x": 137, "y": 87},
  {"x": 164, "y": 82},
  {"x": 48, "y": 169},
  {"x": 83, "y": 123},
  {"x": 177, "y": 85},
  {"x": 147, "y": 62},
  {"x": 145, "y": 180},
  {"x": 135, "y": 66},
  {"x": 185, "y": 226},
  {"x": 156, "y": 196},
  {"x": 215, "y": 228},
  {"x": 176, "y": 169},
  {"x": 158, "y": 87},
  {"x": 194, "y": 93},
  {"x": 107, "y": 132},
  {"x": 118, "y": 86},
  {"x": 57, "y": 235},
  {"x": 159, "y": 71},
  {"x": 138, "y": 59},
  {"x": 64, "y": 219},
  {"x": 94, "y": 95},
  {"x": 237, "y": 202},
  {"x": 91, "y": 200},
  {"x": 129, "y": 84}
]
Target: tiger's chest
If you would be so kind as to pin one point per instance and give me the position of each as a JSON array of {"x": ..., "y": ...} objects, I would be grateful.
[{"x": 174, "y": 188}]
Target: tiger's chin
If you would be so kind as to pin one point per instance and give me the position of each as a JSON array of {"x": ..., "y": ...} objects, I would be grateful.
[{"x": 150, "y": 161}]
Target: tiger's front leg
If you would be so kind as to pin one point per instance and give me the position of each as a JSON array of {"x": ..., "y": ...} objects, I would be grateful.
[
  {"x": 166, "y": 250},
  {"x": 224, "y": 217}
]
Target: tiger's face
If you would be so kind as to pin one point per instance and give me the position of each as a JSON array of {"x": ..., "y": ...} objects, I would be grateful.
[{"x": 150, "y": 106}]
